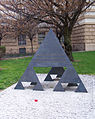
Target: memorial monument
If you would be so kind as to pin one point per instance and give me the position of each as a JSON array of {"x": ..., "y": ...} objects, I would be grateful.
[{"x": 51, "y": 54}]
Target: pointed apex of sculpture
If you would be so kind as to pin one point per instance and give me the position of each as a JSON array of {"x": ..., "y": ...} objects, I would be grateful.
[
  {"x": 51, "y": 30},
  {"x": 50, "y": 53},
  {"x": 51, "y": 36}
]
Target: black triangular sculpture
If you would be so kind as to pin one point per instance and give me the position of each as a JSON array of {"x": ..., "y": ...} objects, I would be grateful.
[
  {"x": 81, "y": 88},
  {"x": 29, "y": 76},
  {"x": 19, "y": 86},
  {"x": 71, "y": 76},
  {"x": 48, "y": 78},
  {"x": 51, "y": 54},
  {"x": 59, "y": 87},
  {"x": 38, "y": 87}
]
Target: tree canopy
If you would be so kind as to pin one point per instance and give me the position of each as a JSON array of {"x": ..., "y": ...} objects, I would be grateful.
[{"x": 60, "y": 14}]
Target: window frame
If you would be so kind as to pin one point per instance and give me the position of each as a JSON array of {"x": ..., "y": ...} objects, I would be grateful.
[
  {"x": 21, "y": 40},
  {"x": 41, "y": 37}
]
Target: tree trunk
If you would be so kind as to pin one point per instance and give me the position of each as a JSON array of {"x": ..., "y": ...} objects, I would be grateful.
[
  {"x": 31, "y": 45},
  {"x": 68, "y": 49},
  {"x": 68, "y": 46},
  {"x": 0, "y": 41}
]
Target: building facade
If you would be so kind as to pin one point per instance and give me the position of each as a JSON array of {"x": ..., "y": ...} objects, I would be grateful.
[{"x": 83, "y": 37}]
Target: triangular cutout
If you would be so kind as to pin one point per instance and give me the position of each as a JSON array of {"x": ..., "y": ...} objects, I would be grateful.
[
  {"x": 54, "y": 70},
  {"x": 19, "y": 86},
  {"x": 48, "y": 78},
  {"x": 33, "y": 83},
  {"x": 57, "y": 70},
  {"x": 81, "y": 88},
  {"x": 72, "y": 84},
  {"x": 59, "y": 87}
]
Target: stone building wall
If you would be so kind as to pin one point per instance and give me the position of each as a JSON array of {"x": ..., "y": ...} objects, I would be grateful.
[
  {"x": 12, "y": 46},
  {"x": 78, "y": 38},
  {"x": 90, "y": 37},
  {"x": 83, "y": 36},
  {"x": 83, "y": 39}
]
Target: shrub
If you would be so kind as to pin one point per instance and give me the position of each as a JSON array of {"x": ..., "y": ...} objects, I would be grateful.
[{"x": 2, "y": 51}]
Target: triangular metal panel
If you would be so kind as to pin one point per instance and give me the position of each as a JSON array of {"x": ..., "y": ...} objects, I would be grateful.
[
  {"x": 50, "y": 53},
  {"x": 81, "y": 88},
  {"x": 38, "y": 87},
  {"x": 19, "y": 86},
  {"x": 70, "y": 76},
  {"x": 59, "y": 87},
  {"x": 48, "y": 78},
  {"x": 29, "y": 75}
]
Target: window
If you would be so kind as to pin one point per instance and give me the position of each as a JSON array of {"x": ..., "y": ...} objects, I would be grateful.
[
  {"x": 41, "y": 37},
  {"x": 22, "y": 50},
  {"x": 22, "y": 40}
]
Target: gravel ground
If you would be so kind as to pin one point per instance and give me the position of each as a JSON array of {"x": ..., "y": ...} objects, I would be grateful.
[{"x": 20, "y": 104}]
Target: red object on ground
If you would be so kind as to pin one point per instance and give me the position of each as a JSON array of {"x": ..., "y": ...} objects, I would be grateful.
[{"x": 36, "y": 100}]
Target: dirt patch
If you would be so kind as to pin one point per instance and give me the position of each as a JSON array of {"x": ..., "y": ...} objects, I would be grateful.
[
  {"x": 3, "y": 69},
  {"x": 15, "y": 58},
  {"x": 1, "y": 90},
  {"x": 76, "y": 61}
]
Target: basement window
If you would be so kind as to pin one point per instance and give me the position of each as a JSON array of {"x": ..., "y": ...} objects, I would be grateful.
[{"x": 22, "y": 50}]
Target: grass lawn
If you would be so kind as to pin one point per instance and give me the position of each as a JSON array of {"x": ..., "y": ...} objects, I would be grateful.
[{"x": 14, "y": 68}]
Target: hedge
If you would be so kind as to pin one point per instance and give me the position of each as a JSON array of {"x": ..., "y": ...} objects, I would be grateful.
[{"x": 2, "y": 51}]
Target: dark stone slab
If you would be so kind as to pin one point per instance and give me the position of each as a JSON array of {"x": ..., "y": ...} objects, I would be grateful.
[
  {"x": 48, "y": 78},
  {"x": 50, "y": 53},
  {"x": 59, "y": 87},
  {"x": 71, "y": 76},
  {"x": 19, "y": 86},
  {"x": 81, "y": 88},
  {"x": 38, "y": 87}
]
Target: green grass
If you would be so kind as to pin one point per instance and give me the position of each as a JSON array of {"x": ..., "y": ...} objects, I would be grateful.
[
  {"x": 13, "y": 69},
  {"x": 86, "y": 62}
]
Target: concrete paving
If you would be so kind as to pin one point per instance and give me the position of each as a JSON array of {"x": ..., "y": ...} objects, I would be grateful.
[{"x": 29, "y": 104}]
